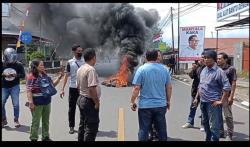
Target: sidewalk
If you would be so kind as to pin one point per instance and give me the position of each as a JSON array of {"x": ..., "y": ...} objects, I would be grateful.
[{"x": 241, "y": 93}]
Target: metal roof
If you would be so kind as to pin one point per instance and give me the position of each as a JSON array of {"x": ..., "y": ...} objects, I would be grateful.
[{"x": 242, "y": 22}]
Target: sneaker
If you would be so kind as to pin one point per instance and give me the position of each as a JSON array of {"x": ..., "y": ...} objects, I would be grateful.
[
  {"x": 47, "y": 139},
  {"x": 187, "y": 125},
  {"x": 229, "y": 138},
  {"x": 17, "y": 124},
  {"x": 202, "y": 129},
  {"x": 71, "y": 130}
]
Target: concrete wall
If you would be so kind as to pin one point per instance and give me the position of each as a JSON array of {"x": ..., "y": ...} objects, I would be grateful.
[
  {"x": 238, "y": 55},
  {"x": 246, "y": 58}
]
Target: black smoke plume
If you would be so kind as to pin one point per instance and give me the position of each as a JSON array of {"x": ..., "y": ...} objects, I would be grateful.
[{"x": 109, "y": 27}]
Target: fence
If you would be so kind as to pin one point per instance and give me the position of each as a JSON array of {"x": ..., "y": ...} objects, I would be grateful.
[{"x": 52, "y": 66}]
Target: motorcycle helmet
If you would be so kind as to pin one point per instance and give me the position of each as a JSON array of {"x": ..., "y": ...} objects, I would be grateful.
[{"x": 10, "y": 55}]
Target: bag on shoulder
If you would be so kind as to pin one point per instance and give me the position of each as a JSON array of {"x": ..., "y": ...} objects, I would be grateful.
[{"x": 47, "y": 87}]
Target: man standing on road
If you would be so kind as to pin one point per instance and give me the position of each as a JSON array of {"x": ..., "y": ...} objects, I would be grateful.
[
  {"x": 214, "y": 87},
  {"x": 72, "y": 66},
  {"x": 12, "y": 71},
  {"x": 152, "y": 133},
  {"x": 89, "y": 99},
  {"x": 152, "y": 86},
  {"x": 194, "y": 74},
  {"x": 172, "y": 65},
  {"x": 227, "y": 109}
]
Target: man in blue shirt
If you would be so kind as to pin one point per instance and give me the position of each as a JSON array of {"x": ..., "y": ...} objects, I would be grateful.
[
  {"x": 152, "y": 86},
  {"x": 214, "y": 87}
]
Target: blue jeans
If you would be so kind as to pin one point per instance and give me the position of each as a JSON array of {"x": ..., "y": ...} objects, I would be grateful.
[
  {"x": 211, "y": 120},
  {"x": 192, "y": 112},
  {"x": 14, "y": 93},
  {"x": 146, "y": 117},
  {"x": 221, "y": 124}
]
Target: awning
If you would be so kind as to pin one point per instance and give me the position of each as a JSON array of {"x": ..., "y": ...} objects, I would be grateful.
[
  {"x": 7, "y": 32},
  {"x": 14, "y": 33},
  {"x": 239, "y": 23}
]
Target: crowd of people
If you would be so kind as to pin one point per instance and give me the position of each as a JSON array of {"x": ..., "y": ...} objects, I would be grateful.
[{"x": 214, "y": 83}]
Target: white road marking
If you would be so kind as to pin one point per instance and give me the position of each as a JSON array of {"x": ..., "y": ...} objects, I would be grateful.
[{"x": 233, "y": 103}]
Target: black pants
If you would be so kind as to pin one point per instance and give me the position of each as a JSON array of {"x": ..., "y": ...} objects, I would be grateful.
[
  {"x": 73, "y": 96},
  {"x": 172, "y": 69},
  {"x": 89, "y": 119}
]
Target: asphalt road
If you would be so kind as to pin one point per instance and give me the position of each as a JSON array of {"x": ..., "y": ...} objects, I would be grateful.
[{"x": 112, "y": 99}]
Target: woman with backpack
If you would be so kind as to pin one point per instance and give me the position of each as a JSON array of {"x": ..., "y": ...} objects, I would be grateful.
[{"x": 40, "y": 88}]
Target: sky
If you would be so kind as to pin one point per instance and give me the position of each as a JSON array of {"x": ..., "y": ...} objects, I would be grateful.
[{"x": 203, "y": 15}]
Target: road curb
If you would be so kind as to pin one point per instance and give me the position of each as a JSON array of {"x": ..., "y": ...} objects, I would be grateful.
[
  {"x": 242, "y": 102},
  {"x": 245, "y": 103}
]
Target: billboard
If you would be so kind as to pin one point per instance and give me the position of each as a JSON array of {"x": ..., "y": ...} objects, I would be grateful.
[
  {"x": 191, "y": 43},
  {"x": 5, "y": 9},
  {"x": 225, "y": 10}
]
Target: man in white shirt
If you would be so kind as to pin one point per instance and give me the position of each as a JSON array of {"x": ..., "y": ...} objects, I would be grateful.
[{"x": 72, "y": 66}]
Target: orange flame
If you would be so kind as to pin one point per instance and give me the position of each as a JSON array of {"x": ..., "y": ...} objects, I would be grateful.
[{"x": 120, "y": 79}]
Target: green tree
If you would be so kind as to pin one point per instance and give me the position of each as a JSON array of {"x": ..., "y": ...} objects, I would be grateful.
[{"x": 34, "y": 55}]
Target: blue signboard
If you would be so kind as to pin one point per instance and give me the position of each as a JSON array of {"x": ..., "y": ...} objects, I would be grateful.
[{"x": 26, "y": 37}]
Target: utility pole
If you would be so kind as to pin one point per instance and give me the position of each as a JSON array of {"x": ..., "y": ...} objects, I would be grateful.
[
  {"x": 172, "y": 28},
  {"x": 178, "y": 62},
  {"x": 217, "y": 41},
  {"x": 40, "y": 32}
]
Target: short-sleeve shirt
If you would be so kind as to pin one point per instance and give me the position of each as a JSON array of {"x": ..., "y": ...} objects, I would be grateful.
[
  {"x": 189, "y": 52},
  {"x": 72, "y": 66},
  {"x": 87, "y": 77},
  {"x": 230, "y": 72},
  {"x": 33, "y": 86},
  {"x": 212, "y": 83},
  {"x": 152, "y": 78}
]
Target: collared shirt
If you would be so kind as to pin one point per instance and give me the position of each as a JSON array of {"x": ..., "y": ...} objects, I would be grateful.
[
  {"x": 87, "y": 77},
  {"x": 195, "y": 74},
  {"x": 230, "y": 72},
  {"x": 212, "y": 82},
  {"x": 72, "y": 66},
  {"x": 152, "y": 78},
  {"x": 189, "y": 52}
]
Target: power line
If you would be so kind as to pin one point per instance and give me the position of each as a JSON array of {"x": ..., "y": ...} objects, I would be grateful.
[
  {"x": 167, "y": 19},
  {"x": 188, "y": 9},
  {"x": 193, "y": 5},
  {"x": 188, "y": 12},
  {"x": 17, "y": 9},
  {"x": 185, "y": 6},
  {"x": 164, "y": 19}
]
